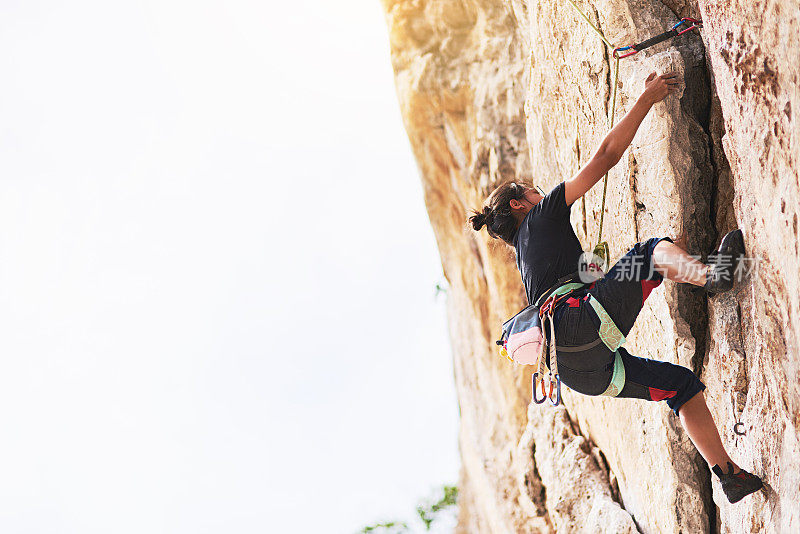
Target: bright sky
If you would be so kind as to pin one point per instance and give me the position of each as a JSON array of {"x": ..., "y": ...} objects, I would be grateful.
[{"x": 217, "y": 274}]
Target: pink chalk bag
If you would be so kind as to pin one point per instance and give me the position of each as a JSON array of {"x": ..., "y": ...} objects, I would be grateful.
[{"x": 522, "y": 340}]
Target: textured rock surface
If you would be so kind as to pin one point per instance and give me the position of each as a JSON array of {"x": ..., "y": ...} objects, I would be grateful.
[
  {"x": 754, "y": 351},
  {"x": 579, "y": 495},
  {"x": 497, "y": 89}
]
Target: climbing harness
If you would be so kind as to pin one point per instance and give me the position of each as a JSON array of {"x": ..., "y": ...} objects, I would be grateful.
[
  {"x": 608, "y": 333},
  {"x": 617, "y": 377},
  {"x": 527, "y": 336},
  {"x": 601, "y": 250}
]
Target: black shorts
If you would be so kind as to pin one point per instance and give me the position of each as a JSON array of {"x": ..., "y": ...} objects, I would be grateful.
[{"x": 622, "y": 292}]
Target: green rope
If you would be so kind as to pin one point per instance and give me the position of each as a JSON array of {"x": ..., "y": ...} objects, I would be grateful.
[
  {"x": 589, "y": 22},
  {"x": 610, "y": 121},
  {"x": 610, "y": 127}
]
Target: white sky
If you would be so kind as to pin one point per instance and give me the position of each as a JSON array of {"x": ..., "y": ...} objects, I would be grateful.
[{"x": 181, "y": 184}]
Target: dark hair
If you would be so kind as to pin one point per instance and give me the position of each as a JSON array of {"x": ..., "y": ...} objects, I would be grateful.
[{"x": 497, "y": 215}]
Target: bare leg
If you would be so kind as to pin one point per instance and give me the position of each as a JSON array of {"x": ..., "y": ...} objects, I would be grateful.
[
  {"x": 699, "y": 424},
  {"x": 673, "y": 263}
]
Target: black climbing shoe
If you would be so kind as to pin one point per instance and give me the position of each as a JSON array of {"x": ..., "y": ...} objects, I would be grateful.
[
  {"x": 722, "y": 264},
  {"x": 736, "y": 486}
]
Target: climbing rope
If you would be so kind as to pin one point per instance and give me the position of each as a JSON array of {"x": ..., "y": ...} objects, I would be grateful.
[{"x": 601, "y": 249}]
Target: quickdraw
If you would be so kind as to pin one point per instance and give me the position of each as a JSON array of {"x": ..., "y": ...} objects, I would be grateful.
[
  {"x": 553, "y": 378},
  {"x": 634, "y": 49}
]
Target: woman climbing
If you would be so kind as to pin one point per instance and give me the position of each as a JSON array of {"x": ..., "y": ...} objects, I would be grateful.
[{"x": 548, "y": 254}]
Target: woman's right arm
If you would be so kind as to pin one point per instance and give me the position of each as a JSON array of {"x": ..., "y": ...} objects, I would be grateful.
[{"x": 619, "y": 138}]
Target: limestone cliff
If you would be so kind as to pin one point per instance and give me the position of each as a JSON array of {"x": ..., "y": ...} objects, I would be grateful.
[{"x": 492, "y": 90}]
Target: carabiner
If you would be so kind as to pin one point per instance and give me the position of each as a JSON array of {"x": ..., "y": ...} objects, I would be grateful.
[
  {"x": 695, "y": 24},
  {"x": 533, "y": 387},
  {"x": 558, "y": 391},
  {"x": 621, "y": 49}
]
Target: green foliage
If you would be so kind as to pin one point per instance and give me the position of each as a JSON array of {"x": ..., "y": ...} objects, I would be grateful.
[
  {"x": 389, "y": 527},
  {"x": 440, "y": 289},
  {"x": 427, "y": 512}
]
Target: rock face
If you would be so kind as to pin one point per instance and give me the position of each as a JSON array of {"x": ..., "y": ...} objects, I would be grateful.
[{"x": 492, "y": 90}]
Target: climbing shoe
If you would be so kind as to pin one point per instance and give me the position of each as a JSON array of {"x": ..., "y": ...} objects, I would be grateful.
[
  {"x": 737, "y": 486},
  {"x": 723, "y": 263}
]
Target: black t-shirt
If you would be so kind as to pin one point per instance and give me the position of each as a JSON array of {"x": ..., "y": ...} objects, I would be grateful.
[{"x": 546, "y": 245}]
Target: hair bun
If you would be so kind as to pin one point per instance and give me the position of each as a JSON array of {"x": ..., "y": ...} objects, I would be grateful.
[
  {"x": 488, "y": 218},
  {"x": 481, "y": 218}
]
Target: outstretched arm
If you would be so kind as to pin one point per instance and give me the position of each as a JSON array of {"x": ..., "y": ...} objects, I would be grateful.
[{"x": 614, "y": 145}]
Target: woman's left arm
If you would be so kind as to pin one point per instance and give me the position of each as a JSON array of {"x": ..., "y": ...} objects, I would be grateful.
[{"x": 619, "y": 138}]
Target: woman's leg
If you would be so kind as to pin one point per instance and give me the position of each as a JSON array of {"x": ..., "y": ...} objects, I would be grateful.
[
  {"x": 699, "y": 424},
  {"x": 683, "y": 391},
  {"x": 674, "y": 263},
  {"x": 622, "y": 292},
  {"x": 697, "y": 420}
]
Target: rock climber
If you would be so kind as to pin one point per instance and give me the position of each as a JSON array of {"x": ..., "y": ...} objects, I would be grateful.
[{"x": 547, "y": 249}]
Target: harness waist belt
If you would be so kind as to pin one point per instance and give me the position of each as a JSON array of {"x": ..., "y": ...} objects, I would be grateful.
[{"x": 608, "y": 333}]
